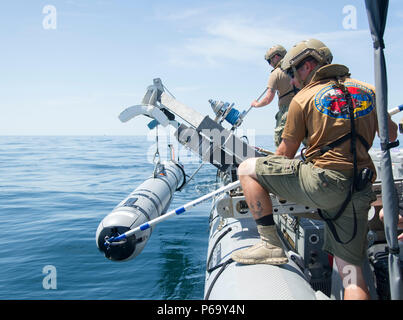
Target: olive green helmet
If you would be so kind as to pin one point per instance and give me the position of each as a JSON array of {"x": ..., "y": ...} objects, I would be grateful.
[{"x": 280, "y": 50}]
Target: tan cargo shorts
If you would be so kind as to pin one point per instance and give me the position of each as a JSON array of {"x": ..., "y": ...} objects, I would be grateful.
[{"x": 305, "y": 184}]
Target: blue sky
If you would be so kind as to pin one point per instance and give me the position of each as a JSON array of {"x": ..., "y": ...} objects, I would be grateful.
[{"x": 77, "y": 78}]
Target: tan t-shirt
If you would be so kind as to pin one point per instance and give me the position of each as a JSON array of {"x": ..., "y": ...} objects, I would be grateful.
[
  {"x": 280, "y": 82},
  {"x": 320, "y": 112}
]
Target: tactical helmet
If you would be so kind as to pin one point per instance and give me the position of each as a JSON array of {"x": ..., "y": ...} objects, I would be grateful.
[
  {"x": 304, "y": 49},
  {"x": 280, "y": 50},
  {"x": 311, "y": 48}
]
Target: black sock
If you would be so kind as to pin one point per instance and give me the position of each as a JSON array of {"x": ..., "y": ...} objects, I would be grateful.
[{"x": 265, "y": 221}]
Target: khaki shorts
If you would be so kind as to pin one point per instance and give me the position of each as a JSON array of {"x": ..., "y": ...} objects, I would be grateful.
[{"x": 304, "y": 184}]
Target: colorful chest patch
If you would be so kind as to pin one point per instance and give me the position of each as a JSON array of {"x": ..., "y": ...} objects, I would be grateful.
[{"x": 332, "y": 102}]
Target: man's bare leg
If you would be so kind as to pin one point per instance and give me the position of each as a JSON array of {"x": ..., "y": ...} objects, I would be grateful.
[
  {"x": 269, "y": 250},
  {"x": 256, "y": 196},
  {"x": 354, "y": 284}
]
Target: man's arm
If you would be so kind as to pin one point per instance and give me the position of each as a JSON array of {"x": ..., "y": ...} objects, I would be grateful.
[
  {"x": 287, "y": 148},
  {"x": 266, "y": 100},
  {"x": 392, "y": 129}
]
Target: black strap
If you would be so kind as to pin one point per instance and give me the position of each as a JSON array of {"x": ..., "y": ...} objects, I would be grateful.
[
  {"x": 294, "y": 90},
  {"x": 379, "y": 43},
  {"x": 395, "y": 251},
  {"x": 344, "y": 138},
  {"x": 352, "y": 135},
  {"x": 353, "y": 138},
  {"x": 333, "y": 144},
  {"x": 330, "y": 224},
  {"x": 389, "y": 145},
  {"x": 285, "y": 94}
]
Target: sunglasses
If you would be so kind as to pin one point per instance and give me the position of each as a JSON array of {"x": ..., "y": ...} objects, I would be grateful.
[
  {"x": 290, "y": 73},
  {"x": 269, "y": 60}
]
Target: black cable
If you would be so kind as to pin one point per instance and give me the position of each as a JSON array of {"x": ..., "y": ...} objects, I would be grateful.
[
  {"x": 223, "y": 266},
  {"x": 217, "y": 266},
  {"x": 184, "y": 177},
  {"x": 215, "y": 244}
]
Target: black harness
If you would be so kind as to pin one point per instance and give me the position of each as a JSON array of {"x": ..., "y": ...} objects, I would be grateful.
[{"x": 359, "y": 180}]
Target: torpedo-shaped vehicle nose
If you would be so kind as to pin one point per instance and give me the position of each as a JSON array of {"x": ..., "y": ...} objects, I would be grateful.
[
  {"x": 148, "y": 201},
  {"x": 117, "y": 250}
]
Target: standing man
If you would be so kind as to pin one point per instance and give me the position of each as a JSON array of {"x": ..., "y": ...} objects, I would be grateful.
[
  {"x": 338, "y": 115},
  {"x": 280, "y": 82}
]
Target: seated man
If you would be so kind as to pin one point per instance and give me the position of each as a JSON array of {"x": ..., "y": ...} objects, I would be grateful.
[{"x": 338, "y": 116}]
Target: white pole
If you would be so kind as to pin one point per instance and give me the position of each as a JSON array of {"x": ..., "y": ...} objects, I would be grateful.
[{"x": 176, "y": 211}]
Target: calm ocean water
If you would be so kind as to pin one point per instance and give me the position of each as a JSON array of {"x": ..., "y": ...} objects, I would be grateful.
[{"x": 54, "y": 191}]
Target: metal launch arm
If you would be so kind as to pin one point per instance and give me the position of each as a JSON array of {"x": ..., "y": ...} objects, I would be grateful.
[{"x": 204, "y": 136}]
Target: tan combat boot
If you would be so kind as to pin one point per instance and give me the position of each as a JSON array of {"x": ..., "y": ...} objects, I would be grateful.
[{"x": 268, "y": 251}]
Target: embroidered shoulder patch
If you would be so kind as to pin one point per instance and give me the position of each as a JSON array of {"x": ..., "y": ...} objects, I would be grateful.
[{"x": 331, "y": 101}]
